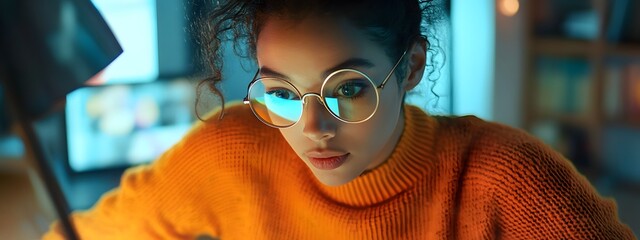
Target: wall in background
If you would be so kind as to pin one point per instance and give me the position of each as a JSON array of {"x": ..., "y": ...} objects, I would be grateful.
[
  {"x": 473, "y": 29},
  {"x": 510, "y": 44}
]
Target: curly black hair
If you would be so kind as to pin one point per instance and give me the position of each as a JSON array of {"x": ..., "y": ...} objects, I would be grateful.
[{"x": 394, "y": 24}]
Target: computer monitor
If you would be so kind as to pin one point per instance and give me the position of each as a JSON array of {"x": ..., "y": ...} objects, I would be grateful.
[
  {"x": 135, "y": 115},
  {"x": 126, "y": 124}
]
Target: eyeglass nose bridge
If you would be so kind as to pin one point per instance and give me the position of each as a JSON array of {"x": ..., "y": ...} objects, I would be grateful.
[
  {"x": 304, "y": 97},
  {"x": 321, "y": 99}
]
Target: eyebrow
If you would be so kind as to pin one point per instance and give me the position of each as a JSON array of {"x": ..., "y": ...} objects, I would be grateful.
[{"x": 349, "y": 63}]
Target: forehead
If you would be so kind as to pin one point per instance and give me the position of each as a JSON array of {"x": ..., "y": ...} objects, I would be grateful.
[
  {"x": 323, "y": 32},
  {"x": 305, "y": 48}
]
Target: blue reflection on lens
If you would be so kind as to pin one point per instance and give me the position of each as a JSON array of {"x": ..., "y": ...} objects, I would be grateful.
[
  {"x": 332, "y": 103},
  {"x": 285, "y": 108}
]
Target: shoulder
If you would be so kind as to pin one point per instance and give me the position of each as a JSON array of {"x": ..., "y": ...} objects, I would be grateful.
[
  {"x": 483, "y": 138},
  {"x": 233, "y": 124},
  {"x": 475, "y": 128},
  {"x": 536, "y": 190},
  {"x": 514, "y": 164},
  {"x": 221, "y": 143},
  {"x": 502, "y": 152}
]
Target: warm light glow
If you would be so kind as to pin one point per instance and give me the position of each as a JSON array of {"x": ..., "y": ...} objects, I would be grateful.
[
  {"x": 508, "y": 7},
  {"x": 97, "y": 79}
]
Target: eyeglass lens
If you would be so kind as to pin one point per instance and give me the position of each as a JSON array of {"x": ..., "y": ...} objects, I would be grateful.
[{"x": 349, "y": 95}]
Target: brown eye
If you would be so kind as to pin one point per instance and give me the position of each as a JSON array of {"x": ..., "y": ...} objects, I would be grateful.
[
  {"x": 350, "y": 89},
  {"x": 283, "y": 94}
]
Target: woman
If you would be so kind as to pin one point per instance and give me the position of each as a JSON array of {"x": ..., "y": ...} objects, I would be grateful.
[{"x": 324, "y": 147}]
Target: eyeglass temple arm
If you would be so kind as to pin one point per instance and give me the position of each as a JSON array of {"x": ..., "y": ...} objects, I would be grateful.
[
  {"x": 392, "y": 70},
  {"x": 246, "y": 98}
]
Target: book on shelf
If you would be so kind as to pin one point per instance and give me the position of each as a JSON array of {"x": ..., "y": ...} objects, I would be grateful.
[
  {"x": 631, "y": 91},
  {"x": 621, "y": 153},
  {"x": 573, "y": 19},
  {"x": 623, "y": 21},
  {"x": 563, "y": 86},
  {"x": 613, "y": 87}
]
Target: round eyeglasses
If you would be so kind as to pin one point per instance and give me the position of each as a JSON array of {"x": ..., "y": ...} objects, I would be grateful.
[{"x": 348, "y": 94}]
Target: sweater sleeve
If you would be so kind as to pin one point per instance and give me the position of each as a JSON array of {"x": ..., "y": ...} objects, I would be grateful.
[
  {"x": 150, "y": 203},
  {"x": 542, "y": 196}
]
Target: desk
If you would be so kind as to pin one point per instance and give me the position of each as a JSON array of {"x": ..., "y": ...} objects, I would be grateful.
[{"x": 25, "y": 210}]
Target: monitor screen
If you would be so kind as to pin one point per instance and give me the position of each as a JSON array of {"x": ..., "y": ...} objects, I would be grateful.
[
  {"x": 126, "y": 124},
  {"x": 133, "y": 116}
]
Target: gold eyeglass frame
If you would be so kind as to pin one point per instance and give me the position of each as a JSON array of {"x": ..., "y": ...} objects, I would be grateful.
[{"x": 320, "y": 96}]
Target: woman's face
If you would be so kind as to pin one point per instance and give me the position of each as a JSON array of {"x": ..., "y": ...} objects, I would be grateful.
[{"x": 303, "y": 53}]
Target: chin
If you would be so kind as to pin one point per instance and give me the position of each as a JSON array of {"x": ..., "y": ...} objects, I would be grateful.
[{"x": 333, "y": 179}]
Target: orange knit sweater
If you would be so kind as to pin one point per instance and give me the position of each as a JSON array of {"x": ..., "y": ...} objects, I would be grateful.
[{"x": 449, "y": 178}]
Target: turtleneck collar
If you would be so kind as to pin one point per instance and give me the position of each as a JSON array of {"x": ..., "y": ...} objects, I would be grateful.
[{"x": 410, "y": 160}]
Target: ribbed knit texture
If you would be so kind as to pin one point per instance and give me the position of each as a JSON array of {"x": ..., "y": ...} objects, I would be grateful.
[{"x": 448, "y": 178}]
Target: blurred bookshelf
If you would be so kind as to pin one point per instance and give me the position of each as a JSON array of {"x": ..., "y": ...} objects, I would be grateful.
[{"x": 582, "y": 82}]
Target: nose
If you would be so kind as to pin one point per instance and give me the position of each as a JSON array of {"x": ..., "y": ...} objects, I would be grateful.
[{"x": 319, "y": 124}]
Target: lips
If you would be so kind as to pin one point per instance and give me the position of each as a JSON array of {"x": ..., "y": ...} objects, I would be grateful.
[{"x": 326, "y": 159}]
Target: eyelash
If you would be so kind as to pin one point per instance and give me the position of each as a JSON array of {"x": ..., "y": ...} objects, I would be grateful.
[
  {"x": 357, "y": 82},
  {"x": 363, "y": 88},
  {"x": 272, "y": 91}
]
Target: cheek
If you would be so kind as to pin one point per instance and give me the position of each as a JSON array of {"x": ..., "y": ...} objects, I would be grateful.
[
  {"x": 377, "y": 130},
  {"x": 381, "y": 124},
  {"x": 390, "y": 100},
  {"x": 296, "y": 139},
  {"x": 291, "y": 135}
]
